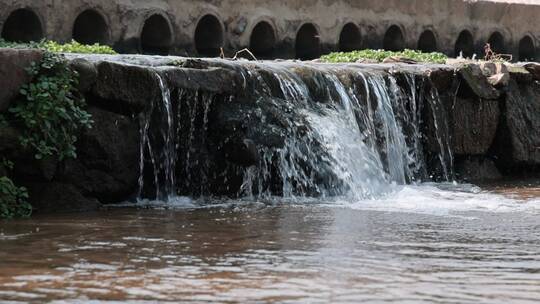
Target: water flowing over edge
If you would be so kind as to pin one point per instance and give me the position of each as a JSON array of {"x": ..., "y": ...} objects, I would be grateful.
[{"x": 370, "y": 130}]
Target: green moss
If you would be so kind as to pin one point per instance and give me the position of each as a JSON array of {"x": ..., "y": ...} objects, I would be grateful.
[{"x": 381, "y": 55}]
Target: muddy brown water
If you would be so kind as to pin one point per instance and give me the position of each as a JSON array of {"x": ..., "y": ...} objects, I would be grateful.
[{"x": 426, "y": 244}]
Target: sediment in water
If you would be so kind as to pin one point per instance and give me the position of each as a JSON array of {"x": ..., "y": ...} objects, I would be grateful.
[{"x": 167, "y": 126}]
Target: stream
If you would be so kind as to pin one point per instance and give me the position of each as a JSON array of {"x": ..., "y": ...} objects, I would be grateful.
[{"x": 431, "y": 243}]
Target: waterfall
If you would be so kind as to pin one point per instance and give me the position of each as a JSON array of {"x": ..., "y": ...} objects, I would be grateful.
[
  {"x": 319, "y": 131},
  {"x": 158, "y": 149},
  {"x": 371, "y": 139}
]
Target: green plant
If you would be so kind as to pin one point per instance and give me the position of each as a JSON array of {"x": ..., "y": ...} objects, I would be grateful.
[
  {"x": 51, "y": 114},
  {"x": 7, "y": 164},
  {"x": 13, "y": 200},
  {"x": 20, "y": 45},
  {"x": 75, "y": 47},
  {"x": 381, "y": 55},
  {"x": 3, "y": 121},
  {"x": 55, "y": 47}
]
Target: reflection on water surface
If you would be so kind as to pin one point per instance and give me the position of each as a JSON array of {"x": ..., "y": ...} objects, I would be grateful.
[{"x": 309, "y": 252}]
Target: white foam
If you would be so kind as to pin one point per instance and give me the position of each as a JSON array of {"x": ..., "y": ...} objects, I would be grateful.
[
  {"x": 173, "y": 202},
  {"x": 443, "y": 199},
  {"x": 426, "y": 198}
]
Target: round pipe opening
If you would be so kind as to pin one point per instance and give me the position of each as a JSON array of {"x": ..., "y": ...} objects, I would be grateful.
[
  {"x": 464, "y": 45},
  {"x": 394, "y": 39},
  {"x": 527, "y": 51},
  {"x": 263, "y": 40},
  {"x": 90, "y": 27},
  {"x": 427, "y": 42},
  {"x": 209, "y": 36},
  {"x": 156, "y": 36},
  {"x": 22, "y": 25},
  {"x": 350, "y": 38},
  {"x": 308, "y": 45},
  {"x": 496, "y": 41}
]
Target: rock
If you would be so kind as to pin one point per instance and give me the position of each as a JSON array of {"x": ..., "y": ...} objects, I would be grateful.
[
  {"x": 29, "y": 168},
  {"x": 60, "y": 197},
  {"x": 87, "y": 73},
  {"x": 475, "y": 79},
  {"x": 107, "y": 166},
  {"x": 125, "y": 89},
  {"x": 191, "y": 63},
  {"x": 442, "y": 78},
  {"x": 518, "y": 142},
  {"x": 244, "y": 153},
  {"x": 499, "y": 80},
  {"x": 216, "y": 80},
  {"x": 9, "y": 141},
  {"x": 366, "y": 60},
  {"x": 501, "y": 68},
  {"x": 489, "y": 68},
  {"x": 496, "y": 72},
  {"x": 473, "y": 125},
  {"x": 459, "y": 62},
  {"x": 477, "y": 169},
  {"x": 520, "y": 74},
  {"x": 398, "y": 59},
  {"x": 534, "y": 69},
  {"x": 13, "y": 75}
]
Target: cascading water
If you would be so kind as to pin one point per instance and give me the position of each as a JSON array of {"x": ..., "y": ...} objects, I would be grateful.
[
  {"x": 318, "y": 131},
  {"x": 370, "y": 139},
  {"x": 158, "y": 148}
]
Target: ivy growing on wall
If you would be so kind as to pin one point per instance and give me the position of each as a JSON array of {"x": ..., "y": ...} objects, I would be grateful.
[
  {"x": 51, "y": 114},
  {"x": 49, "y": 117},
  {"x": 13, "y": 200}
]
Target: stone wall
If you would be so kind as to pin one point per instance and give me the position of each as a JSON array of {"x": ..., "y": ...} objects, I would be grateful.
[
  {"x": 492, "y": 113},
  {"x": 285, "y": 29}
]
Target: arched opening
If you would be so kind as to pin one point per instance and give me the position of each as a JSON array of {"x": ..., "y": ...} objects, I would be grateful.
[
  {"x": 156, "y": 36},
  {"x": 90, "y": 27},
  {"x": 527, "y": 50},
  {"x": 464, "y": 45},
  {"x": 496, "y": 40},
  {"x": 393, "y": 39},
  {"x": 350, "y": 38},
  {"x": 209, "y": 36},
  {"x": 307, "y": 42},
  {"x": 427, "y": 42},
  {"x": 262, "y": 40},
  {"x": 22, "y": 25}
]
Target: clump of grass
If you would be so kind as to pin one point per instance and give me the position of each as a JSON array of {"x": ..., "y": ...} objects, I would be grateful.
[
  {"x": 381, "y": 55},
  {"x": 55, "y": 47},
  {"x": 75, "y": 47},
  {"x": 20, "y": 45}
]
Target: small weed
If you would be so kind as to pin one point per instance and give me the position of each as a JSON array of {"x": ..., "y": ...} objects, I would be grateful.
[{"x": 381, "y": 55}]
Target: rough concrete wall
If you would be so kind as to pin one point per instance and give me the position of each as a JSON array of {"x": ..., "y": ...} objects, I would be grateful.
[{"x": 446, "y": 18}]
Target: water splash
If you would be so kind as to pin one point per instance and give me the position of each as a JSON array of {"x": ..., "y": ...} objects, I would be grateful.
[
  {"x": 370, "y": 139},
  {"x": 340, "y": 132}
]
